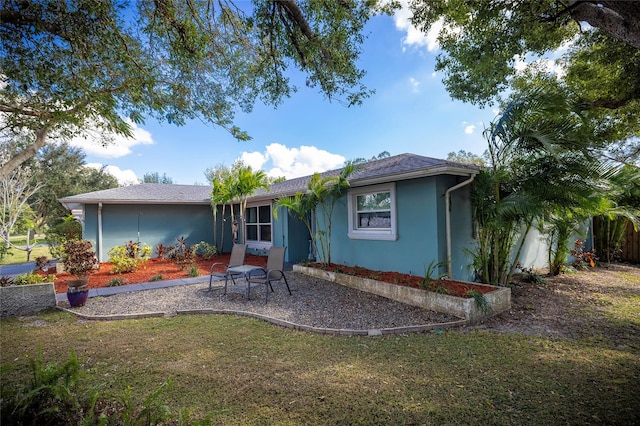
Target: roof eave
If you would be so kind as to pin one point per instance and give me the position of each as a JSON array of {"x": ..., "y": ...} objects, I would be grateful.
[
  {"x": 66, "y": 201},
  {"x": 433, "y": 171}
]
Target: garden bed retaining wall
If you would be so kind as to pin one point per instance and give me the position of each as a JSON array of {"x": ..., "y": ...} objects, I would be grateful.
[
  {"x": 26, "y": 299},
  {"x": 498, "y": 300}
]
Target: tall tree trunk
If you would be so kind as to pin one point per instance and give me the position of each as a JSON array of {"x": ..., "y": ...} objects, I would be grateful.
[{"x": 28, "y": 152}]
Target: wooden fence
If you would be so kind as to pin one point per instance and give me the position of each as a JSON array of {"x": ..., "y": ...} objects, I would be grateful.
[{"x": 630, "y": 247}]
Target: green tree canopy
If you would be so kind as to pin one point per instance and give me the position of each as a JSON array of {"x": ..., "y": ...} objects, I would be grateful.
[
  {"x": 483, "y": 44},
  {"x": 154, "y": 177},
  {"x": 463, "y": 156},
  {"x": 60, "y": 171},
  {"x": 75, "y": 65}
]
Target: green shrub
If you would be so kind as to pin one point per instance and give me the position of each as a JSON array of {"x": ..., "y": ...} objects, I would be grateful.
[
  {"x": 52, "y": 397},
  {"x": 128, "y": 257},
  {"x": 33, "y": 278},
  {"x": 42, "y": 263},
  {"x": 530, "y": 275},
  {"x": 194, "y": 271},
  {"x": 55, "y": 396},
  {"x": 204, "y": 249},
  {"x": 156, "y": 278},
  {"x": 182, "y": 255},
  {"x": 431, "y": 276},
  {"x": 67, "y": 229},
  {"x": 116, "y": 282}
]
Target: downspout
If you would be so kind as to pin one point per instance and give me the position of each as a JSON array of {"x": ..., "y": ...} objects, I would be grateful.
[
  {"x": 100, "y": 231},
  {"x": 447, "y": 203}
]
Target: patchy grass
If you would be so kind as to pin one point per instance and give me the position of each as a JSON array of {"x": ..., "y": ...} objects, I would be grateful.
[
  {"x": 244, "y": 371},
  {"x": 20, "y": 256},
  {"x": 627, "y": 278}
]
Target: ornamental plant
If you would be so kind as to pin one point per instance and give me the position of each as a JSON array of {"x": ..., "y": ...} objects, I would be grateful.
[
  {"x": 33, "y": 278},
  {"x": 79, "y": 258},
  {"x": 128, "y": 257}
]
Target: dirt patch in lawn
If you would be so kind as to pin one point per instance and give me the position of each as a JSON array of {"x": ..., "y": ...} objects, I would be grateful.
[{"x": 601, "y": 304}]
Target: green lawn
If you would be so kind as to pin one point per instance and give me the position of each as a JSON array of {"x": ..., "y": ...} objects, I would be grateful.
[
  {"x": 20, "y": 256},
  {"x": 244, "y": 371}
]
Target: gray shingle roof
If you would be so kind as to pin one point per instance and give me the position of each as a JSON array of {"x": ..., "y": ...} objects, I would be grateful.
[
  {"x": 398, "y": 167},
  {"x": 146, "y": 193}
]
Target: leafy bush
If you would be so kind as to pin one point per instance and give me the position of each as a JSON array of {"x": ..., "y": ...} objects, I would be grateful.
[
  {"x": 582, "y": 258},
  {"x": 182, "y": 255},
  {"x": 60, "y": 233},
  {"x": 431, "y": 276},
  {"x": 33, "y": 278},
  {"x": 55, "y": 396},
  {"x": 128, "y": 257},
  {"x": 156, "y": 278},
  {"x": 42, "y": 262},
  {"x": 204, "y": 249},
  {"x": 194, "y": 271},
  {"x": 164, "y": 251},
  {"x": 52, "y": 397},
  {"x": 116, "y": 282},
  {"x": 529, "y": 275},
  {"x": 79, "y": 258}
]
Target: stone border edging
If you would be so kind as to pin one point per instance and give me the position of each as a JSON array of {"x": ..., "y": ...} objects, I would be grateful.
[
  {"x": 276, "y": 321},
  {"x": 114, "y": 316}
]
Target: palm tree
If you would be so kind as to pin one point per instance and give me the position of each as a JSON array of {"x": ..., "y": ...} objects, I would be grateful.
[
  {"x": 246, "y": 183},
  {"x": 322, "y": 195},
  {"x": 220, "y": 178},
  {"x": 540, "y": 167},
  {"x": 623, "y": 209}
]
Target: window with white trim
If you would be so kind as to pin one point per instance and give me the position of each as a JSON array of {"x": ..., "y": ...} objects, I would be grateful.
[
  {"x": 372, "y": 212},
  {"x": 258, "y": 224}
]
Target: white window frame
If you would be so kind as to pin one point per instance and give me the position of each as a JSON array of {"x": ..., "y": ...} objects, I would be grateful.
[
  {"x": 356, "y": 233},
  {"x": 258, "y": 244}
]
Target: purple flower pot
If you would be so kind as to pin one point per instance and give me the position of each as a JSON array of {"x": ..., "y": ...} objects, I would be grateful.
[{"x": 78, "y": 298}]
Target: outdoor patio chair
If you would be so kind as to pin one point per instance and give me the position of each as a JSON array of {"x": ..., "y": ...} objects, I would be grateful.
[
  {"x": 273, "y": 272},
  {"x": 237, "y": 259}
]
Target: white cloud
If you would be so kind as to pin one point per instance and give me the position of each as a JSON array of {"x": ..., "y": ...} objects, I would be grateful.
[
  {"x": 278, "y": 160},
  {"x": 254, "y": 159},
  {"x": 118, "y": 147},
  {"x": 125, "y": 177},
  {"x": 470, "y": 129},
  {"x": 414, "y": 36},
  {"x": 415, "y": 84}
]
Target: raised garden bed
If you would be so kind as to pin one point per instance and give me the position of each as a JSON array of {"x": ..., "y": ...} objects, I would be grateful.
[
  {"x": 26, "y": 299},
  {"x": 462, "y": 300}
]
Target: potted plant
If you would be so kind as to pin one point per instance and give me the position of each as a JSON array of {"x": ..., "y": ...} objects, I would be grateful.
[{"x": 79, "y": 260}]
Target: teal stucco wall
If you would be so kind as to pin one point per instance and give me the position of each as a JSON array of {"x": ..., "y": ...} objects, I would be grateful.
[
  {"x": 157, "y": 224},
  {"x": 421, "y": 231},
  {"x": 295, "y": 235}
]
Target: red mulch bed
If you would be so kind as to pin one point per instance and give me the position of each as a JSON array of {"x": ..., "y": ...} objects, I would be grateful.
[
  {"x": 153, "y": 267},
  {"x": 445, "y": 286},
  {"x": 170, "y": 271}
]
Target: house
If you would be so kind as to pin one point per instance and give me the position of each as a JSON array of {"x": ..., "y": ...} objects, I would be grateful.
[{"x": 422, "y": 216}]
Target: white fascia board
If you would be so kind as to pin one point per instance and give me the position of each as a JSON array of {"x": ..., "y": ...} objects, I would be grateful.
[{"x": 435, "y": 171}]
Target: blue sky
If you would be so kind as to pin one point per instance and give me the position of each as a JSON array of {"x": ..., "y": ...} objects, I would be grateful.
[{"x": 410, "y": 112}]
